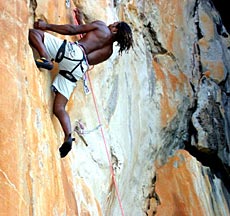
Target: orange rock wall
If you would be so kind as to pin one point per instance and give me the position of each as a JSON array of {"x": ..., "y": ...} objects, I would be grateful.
[
  {"x": 168, "y": 94},
  {"x": 33, "y": 179},
  {"x": 183, "y": 186}
]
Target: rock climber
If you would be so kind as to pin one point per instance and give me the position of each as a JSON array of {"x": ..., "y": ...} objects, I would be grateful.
[{"x": 74, "y": 58}]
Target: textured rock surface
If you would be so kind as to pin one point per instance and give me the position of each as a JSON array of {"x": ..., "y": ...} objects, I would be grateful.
[
  {"x": 190, "y": 188},
  {"x": 170, "y": 92}
]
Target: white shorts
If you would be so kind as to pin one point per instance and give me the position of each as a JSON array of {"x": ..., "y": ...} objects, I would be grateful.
[{"x": 72, "y": 51}]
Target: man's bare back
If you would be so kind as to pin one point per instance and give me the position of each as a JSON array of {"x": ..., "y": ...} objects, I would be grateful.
[
  {"x": 97, "y": 39},
  {"x": 98, "y": 43}
]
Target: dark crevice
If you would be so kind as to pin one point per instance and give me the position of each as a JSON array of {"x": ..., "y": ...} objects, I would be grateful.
[
  {"x": 206, "y": 158},
  {"x": 154, "y": 43},
  {"x": 197, "y": 65},
  {"x": 218, "y": 20},
  {"x": 199, "y": 33},
  {"x": 193, "y": 87},
  {"x": 209, "y": 159},
  {"x": 196, "y": 16},
  {"x": 199, "y": 61},
  {"x": 195, "y": 9},
  {"x": 213, "y": 162},
  {"x": 222, "y": 7},
  {"x": 220, "y": 30},
  {"x": 150, "y": 210},
  {"x": 225, "y": 90},
  {"x": 223, "y": 84},
  {"x": 115, "y": 3}
]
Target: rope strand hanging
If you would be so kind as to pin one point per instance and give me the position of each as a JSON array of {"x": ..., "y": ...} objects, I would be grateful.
[{"x": 103, "y": 136}]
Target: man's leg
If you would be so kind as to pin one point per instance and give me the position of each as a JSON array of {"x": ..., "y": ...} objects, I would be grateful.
[
  {"x": 36, "y": 40},
  {"x": 59, "y": 110}
]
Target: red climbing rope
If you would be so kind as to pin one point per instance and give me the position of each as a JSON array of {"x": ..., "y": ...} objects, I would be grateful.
[
  {"x": 103, "y": 137},
  {"x": 106, "y": 148}
]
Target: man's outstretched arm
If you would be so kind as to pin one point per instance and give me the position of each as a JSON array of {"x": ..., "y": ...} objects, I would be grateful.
[{"x": 67, "y": 29}]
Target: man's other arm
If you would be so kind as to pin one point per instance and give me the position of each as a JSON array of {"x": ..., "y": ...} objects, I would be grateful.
[{"x": 67, "y": 29}]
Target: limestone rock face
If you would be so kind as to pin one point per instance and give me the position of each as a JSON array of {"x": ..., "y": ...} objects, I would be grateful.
[
  {"x": 189, "y": 190},
  {"x": 161, "y": 146}
]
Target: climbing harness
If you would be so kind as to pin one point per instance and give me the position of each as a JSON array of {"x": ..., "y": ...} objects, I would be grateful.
[{"x": 69, "y": 74}]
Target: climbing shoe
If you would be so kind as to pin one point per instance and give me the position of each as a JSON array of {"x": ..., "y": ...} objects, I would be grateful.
[
  {"x": 44, "y": 63},
  {"x": 66, "y": 146}
]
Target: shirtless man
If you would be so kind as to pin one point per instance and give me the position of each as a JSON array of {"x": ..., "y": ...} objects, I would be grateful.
[{"x": 94, "y": 47}]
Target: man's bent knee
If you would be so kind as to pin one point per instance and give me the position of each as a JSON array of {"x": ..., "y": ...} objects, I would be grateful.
[
  {"x": 58, "y": 109},
  {"x": 59, "y": 104}
]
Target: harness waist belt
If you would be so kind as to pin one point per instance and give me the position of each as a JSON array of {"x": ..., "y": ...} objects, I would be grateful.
[
  {"x": 68, "y": 75},
  {"x": 61, "y": 55}
]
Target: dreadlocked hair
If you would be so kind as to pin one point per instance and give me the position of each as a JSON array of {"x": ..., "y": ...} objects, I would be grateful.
[{"x": 124, "y": 37}]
